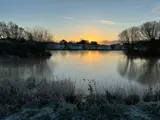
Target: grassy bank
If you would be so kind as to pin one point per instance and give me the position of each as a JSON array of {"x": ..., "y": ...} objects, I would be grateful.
[{"x": 49, "y": 100}]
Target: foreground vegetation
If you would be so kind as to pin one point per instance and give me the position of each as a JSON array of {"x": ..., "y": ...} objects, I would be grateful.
[
  {"x": 49, "y": 100},
  {"x": 143, "y": 40},
  {"x": 17, "y": 42}
]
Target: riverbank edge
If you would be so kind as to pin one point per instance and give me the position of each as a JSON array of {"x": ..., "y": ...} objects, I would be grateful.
[
  {"x": 44, "y": 55},
  {"x": 20, "y": 50},
  {"x": 141, "y": 54}
]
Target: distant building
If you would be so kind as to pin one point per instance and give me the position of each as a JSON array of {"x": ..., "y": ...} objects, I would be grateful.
[
  {"x": 93, "y": 47},
  {"x": 73, "y": 46},
  {"x": 104, "y": 47},
  {"x": 55, "y": 46}
]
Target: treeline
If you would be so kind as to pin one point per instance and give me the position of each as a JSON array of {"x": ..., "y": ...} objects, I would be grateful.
[
  {"x": 13, "y": 31},
  {"x": 83, "y": 42},
  {"x": 23, "y": 43},
  {"x": 144, "y": 38}
]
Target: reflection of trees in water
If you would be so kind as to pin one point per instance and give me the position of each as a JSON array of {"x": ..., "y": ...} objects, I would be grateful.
[
  {"x": 80, "y": 53},
  {"x": 144, "y": 71},
  {"x": 24, "y": 69},
  {"x": 63, "y": 53},
  {"x": 150, "y": 71},
  {"x": 128, "y": 68}
]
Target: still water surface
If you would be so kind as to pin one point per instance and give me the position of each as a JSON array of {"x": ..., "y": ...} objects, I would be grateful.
[{"x": 106, "y": 68}]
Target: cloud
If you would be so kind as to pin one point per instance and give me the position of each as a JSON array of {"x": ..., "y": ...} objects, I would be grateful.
[
  {"x": 69, "y": 18},
  {"x": 107, "y": 22},
  {"x": 139, "y": 6},
  {"x": 107, "y": 42},
  {"x": 156, "y": 9}
]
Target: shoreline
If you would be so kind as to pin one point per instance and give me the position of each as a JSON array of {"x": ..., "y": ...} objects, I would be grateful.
[
  {"x": 138, "y": 54},
  {"x": 44, "y": 55},
  {"x": 22, "y": 50}
]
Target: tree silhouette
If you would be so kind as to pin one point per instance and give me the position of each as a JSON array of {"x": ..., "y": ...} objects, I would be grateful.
[
  {"x": 13, "y": 31},
  {"x": 93, "y": 43},
  {"x": 130, "y": 35},
  {"x": 84, "y": 42},
  {"x": 144, "y": 39},
  {"x": 150, "y": 30},
  {"x": 40, "y": 34}
]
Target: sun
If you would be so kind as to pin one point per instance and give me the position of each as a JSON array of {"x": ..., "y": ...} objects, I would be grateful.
[{"x": 91, "y": 34}]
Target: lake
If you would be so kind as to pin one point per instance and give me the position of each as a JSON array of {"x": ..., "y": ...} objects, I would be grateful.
[{"x": 108, "y": 69}]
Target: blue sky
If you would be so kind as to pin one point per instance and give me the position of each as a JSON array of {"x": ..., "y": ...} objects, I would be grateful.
[{"x": 75, "y": 19}]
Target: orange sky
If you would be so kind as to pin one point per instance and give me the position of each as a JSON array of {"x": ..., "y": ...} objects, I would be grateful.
[
  {"x": 81, "y": 19},
  {"x": 90, "y": 33}
]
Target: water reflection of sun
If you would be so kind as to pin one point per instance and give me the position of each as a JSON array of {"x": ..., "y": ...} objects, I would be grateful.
[
  {"x": 90, "y": 58},
  {"x": 93, "y": 57}
]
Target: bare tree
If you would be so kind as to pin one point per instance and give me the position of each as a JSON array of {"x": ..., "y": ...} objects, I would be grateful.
[
  {"x": 4, "y": 32},
  {"x": 150, "y": 30},
  {"x": 130, "y": 35},
  {"x": 147, "y": 31},
  {"x": 13, "y": 30},
  {"x": 40, "y": 34},
  {"x": 21, "y": 33},
  {"x": 124, "y": 37},
  {"x": 135, "y": 34},
  {"x": 1, "y": 30},
  {"x": 159, "y": 30}
]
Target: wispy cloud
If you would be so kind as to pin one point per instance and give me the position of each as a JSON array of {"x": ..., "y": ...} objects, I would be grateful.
[
  {"x": 107, "y": 42},
  {"x": 139, "y": 6},
  {"x": 69, "y": 18},
  {"x": 107, "y": 22}
]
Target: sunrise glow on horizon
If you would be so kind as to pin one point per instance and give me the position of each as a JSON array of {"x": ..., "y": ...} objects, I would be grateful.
[{"x": 72, "y": 20}]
